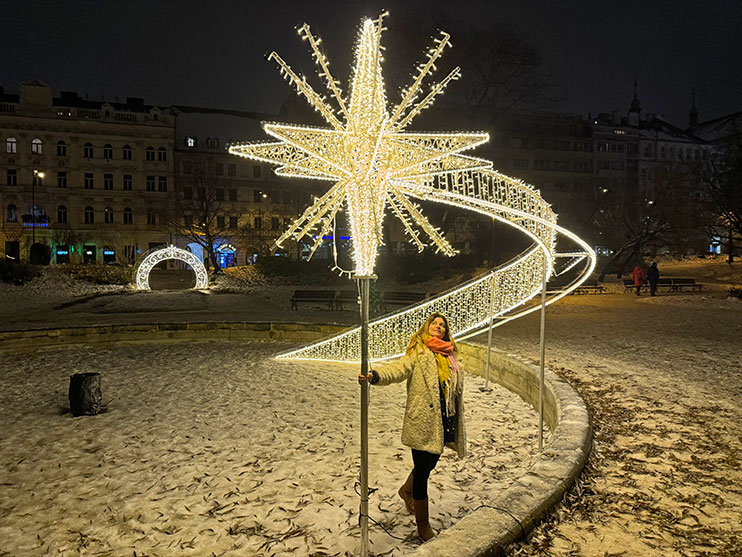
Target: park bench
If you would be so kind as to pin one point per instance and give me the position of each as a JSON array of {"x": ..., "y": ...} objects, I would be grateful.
[
  {"x": 313, "y": 296},
  {"x": 683, "y": 283},
  {"x": 347, "y": 298},
  {"x": 671, "y": 284},
  {"x": 403, "y": 298},
  {"x": 589, "y": 288}
]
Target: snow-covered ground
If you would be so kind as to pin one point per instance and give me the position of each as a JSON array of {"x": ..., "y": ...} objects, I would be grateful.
[
  {"x": 662, "y": 377},
  {"x": 663, "y": 380},
  {"x": 220, "y": 449}
]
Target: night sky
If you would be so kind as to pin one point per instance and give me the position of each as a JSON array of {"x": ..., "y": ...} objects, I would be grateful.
[{"x": 212, "y": 53}]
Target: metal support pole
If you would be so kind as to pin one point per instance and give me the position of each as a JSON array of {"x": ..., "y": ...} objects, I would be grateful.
[
  {"x": 33, "y": 209},
  {"x": 489, "y": 338},
  {"x": 541, "y": 365},
  {"x": 363, "y": 283}
]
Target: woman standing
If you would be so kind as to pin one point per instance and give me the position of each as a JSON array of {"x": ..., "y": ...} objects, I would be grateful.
[{"x": 434, "y": 414}]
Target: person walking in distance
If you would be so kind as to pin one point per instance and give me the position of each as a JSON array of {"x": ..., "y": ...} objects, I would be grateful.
[
  {"x": 653, "y": 276},
  {"x": 434, "y": 413},
  {"x": 640, "y": 277}
]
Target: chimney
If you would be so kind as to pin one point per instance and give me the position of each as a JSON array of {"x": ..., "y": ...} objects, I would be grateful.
[{"x": 35, "y": 93}]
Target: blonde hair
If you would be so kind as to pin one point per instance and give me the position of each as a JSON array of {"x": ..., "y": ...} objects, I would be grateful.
[{"x": 421, "y": 336}]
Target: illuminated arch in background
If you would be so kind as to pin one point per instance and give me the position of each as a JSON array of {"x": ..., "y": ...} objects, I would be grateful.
[{"x": 171, "y": 252}]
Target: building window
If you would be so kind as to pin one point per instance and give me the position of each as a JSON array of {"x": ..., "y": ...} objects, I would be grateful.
[
  {"x": 128, "y": 216},
  {"x": 188, "y": 193},
  {"x": 150, "y": 183},
  {"x": 258, "y": 223},
  {"x": 61, "y": 149},
  {"x": 233, "y": 195},
  {"x": 187, "y": 221},
  {"x": 12, "y": 177},
  {"x": 89, "y": 215},
  {"x": 256, "y": 171},
  {"x": 212, "y": 142},
  {"x": 11, "y": 145},
  {"x": 62, "y": 214},
  {"x": 127, "y": 182},
  {"x": 162, "y": 154},
  {"x": 36, "y": 146},
  {"x": 11, "y": 214},
  {"x": 162, "y": 183},
  {"x": 126, "y": 155},
  {"x": 151, "y": 217},
  {"x": 187, "y": 167},
  {"x": 275, "y": 223},
  {"x": 520, "y": 164},
  {"x": 108, "y": 215},
  {"x": 219, "y": 169},
  {"x": 107, "y": 151},
  {"x": 232, "y": 222},
  {"x": 220, "y": 195},
  {"x": 231, "y": 169},
  {"x": 287, "y": 197},
  {"x": 87, "y": 151},
  {"x": 201, "y": 194},
  {"x": 150, "y": 153},
  {"x": 88, "y": 182},
  {"x": 220, "y": 222},
  {"x": 61, "y": 179},
  {"x": 108, "y": 181}
]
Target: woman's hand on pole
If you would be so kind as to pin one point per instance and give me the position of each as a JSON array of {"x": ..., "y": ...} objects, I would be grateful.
[{"x": 363, "y": 378}]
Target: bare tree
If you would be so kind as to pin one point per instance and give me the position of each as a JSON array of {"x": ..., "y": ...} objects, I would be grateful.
[
  {"x": 197, "y": 212},
  {"x": 723, "y": 186},
  {"x": 502, "y": 69},
  {"x": 668, "y": 214}
]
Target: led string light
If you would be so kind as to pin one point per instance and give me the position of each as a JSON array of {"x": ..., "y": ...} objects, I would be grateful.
[
  {"x": 376, "y": 165},
  {"x": 368, "y": 151},
  {"x": 171, "y": 252}
]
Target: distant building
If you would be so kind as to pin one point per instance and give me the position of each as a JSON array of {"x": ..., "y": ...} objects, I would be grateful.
[
  {"x": 249, "y": 206},
  {"x": 80, "y": 179}
]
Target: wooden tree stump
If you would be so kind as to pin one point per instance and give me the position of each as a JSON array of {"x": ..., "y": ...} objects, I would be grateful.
[{"x": 85, "y": 394}]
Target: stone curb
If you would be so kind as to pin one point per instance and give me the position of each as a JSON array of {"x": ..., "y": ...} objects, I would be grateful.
[
  {"x": 484, "y": 532},
  {"x": 488, "y": 530}
]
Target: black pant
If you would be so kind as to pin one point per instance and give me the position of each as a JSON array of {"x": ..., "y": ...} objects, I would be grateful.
[{"x": 424, "y": 464}]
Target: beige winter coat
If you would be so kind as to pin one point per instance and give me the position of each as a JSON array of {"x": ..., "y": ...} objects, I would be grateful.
[{"x": 423, "y": 426}]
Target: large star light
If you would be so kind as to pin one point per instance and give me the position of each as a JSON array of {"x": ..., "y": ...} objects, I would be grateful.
[{"x": 365, "y": 151}]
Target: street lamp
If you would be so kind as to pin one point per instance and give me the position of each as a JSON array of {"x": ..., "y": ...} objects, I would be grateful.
[{"x": 37, "y": 175}]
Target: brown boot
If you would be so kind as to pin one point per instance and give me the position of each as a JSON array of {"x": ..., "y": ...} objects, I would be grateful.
[
  {"x": 421, "y": 517},
  {"x": 405, "y": 492}
]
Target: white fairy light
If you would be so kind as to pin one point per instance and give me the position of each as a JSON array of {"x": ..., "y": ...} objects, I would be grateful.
[
  {"x": 171, "y": 252},
  {"x": 376, "y": 165},
  {"x": 364, "y": 151}
]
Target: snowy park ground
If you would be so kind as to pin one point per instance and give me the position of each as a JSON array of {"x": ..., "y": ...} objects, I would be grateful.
[
  {"x": 662, "y": 378},
  {"x": 220, "y": 449}
]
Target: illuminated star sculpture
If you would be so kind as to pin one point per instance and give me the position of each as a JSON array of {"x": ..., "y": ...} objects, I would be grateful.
[{"x": 365, "y": 151}]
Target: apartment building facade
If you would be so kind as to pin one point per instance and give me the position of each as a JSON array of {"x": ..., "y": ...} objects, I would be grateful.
[{"x": 82, "y": 180}]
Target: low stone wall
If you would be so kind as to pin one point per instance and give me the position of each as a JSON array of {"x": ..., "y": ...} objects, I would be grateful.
[
  {"x": 109, "y": 335},
  {"x": 485, "y": 531}
]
